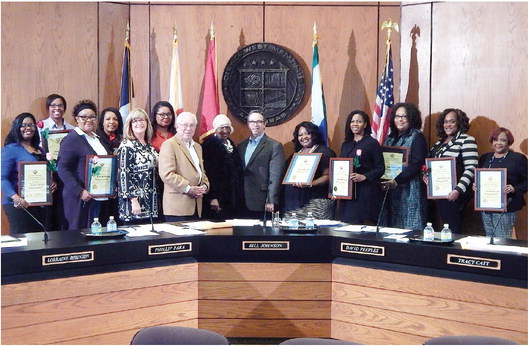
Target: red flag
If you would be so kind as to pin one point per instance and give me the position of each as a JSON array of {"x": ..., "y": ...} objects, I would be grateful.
[{"x": 210, "y": 106}]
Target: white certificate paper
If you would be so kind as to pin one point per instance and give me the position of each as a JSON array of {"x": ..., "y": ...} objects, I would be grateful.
[
  {"x": 490, "y": 195},
  {"x": 36, "y": 188},
  {"x": 302, "y": 168},
  {"x": 441, "y": 177},
  {"x": 340, "y": 184}
]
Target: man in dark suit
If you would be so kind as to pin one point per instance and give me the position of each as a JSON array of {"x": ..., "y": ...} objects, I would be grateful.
[{"x": 263, "y": 160}]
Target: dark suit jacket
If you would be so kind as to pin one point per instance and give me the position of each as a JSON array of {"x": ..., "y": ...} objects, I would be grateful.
[
  {"x": 71, "y": 170},
  {"x": 263, "y": 173}
]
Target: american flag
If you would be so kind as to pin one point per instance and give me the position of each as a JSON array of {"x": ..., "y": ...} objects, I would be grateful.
[{"x": 384, "y": 102}]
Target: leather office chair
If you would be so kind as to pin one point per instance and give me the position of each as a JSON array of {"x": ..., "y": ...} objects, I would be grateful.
[
  {"x": 468, "y": 340},
  {"x": 317, "y": 341},
  {"x": 171, "y": 335}
]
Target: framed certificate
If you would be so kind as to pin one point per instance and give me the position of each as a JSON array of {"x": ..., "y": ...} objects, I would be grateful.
[
  {"x": 340, "y": 183},
  {"x": 396, "y": 159},
  {"x": 100, "y": 175},
  {"x": 490, "y": 194},
  {"x": 302, "y": 168},
  {"x": 34, "y": 181},
  {"x": 442, "y": 177},
  {"x": 52, "y": 143}
]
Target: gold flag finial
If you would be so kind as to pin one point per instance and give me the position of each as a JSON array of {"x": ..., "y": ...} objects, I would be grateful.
[
  {"x": 211, "y": 31},
  {"x": 315, "y": 35},
  {"x": 390, "y": 25},
  {"x": 127, "y": 33},
  {"x": 174, "y": 33}
]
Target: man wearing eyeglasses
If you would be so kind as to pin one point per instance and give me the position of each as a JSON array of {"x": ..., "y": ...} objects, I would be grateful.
[
  {"x": 263, "y": 159},
  {"x": 182, "y": 171}
]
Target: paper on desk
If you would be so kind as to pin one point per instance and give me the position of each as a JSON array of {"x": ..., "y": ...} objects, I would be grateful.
[
  {"x": 327, "y": 222},
  {"x": 139, "y": 230},
  {"x": 364, "y": 228},
  {"x": 176, "y": 230},
  {"x": 244, "y": 222},
  {"x": 203, "y": 225},
  {"x": 9, "y": 241},
  {"x": 482, "y": 243}
]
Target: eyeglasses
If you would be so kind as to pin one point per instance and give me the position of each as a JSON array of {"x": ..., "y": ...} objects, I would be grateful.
[
  {"x": 58, "y": 105},
  {"x": 165, "y": 115},
  {"x": 87, "y": 117},
  {"x": 189, "y": 126},
  {"x": 23, "y": 126},
  {"x": 139, "y": 120},
  {"x": 255, "y": 122},
  {"x": 402, "y": 117}
]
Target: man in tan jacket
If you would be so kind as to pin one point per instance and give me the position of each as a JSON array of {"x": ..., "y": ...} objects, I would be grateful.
[{"x": 181, "y": 169}]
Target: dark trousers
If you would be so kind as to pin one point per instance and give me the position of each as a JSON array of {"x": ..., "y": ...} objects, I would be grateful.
[{"x": 452, "y": 213}]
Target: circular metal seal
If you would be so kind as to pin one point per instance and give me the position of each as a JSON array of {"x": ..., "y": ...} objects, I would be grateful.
[{"x": 263, "y": 76}]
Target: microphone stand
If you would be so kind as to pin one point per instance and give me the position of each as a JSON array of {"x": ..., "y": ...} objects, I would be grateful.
[
  {"x": 381, "y": 212},
  {"x": 46, "y": 238},
  {"x": 265, "y": 216},
  {"x": 492, "y": 240}
]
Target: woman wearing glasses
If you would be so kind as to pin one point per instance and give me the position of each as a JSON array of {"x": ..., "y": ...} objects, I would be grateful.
[
  {"x": 162, "y": 119},
  {"x": 136, "y": 170},
  {"x": 80, "y": 207},
  {"x": 56, "y": 106},
  {"x": 21, "y": 144},
  {"x": 406, "y": 205}
]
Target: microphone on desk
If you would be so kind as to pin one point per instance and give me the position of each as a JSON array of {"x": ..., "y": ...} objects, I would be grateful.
[
  {"x": 265, "y": 216},
  {"x": 46, "y": 238},
  {"x": 381, "y": 211},
  {"x": 492, "y": 240}
]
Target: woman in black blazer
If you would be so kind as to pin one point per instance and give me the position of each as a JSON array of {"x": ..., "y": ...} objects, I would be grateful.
[{"x": 516, "y": 182}]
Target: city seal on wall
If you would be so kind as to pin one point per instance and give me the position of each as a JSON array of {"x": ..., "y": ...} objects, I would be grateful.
[{"x": 263, "y": 76}]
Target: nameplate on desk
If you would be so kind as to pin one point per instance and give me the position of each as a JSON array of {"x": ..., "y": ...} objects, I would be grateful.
[
  {"x": 363, "y": 249},
  {"x": 85, "y": 256},
  {"x": 266, "y": 245},
  {"x": 475, "y": 262},
  {"x": 169, "y": 248}
]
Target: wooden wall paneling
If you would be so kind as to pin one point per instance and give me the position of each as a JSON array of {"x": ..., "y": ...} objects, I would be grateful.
[
  {"x": 113, "y": 19},
  {"x": 140, "y": 59},
  {"x": 256, "y": 328},
  {"x": 51, "y": 53},
  {"x": 415, "y": 34},
  {"x": 371, "y": 335},
  {"x": 253, "y": 290},
  {"x": 88, "y": 306},
  {"x": 347, "y": 57},
  {"x": 235, "y": 26},
  {"x": 426, "y": 306},
  {"x": 479, "y": 65},
  {"x": 480, "y": 293},
  {"x": 311, "y": 272},
  {"x": 259, "y": 299},
  {"x": 108, "y": 323}
]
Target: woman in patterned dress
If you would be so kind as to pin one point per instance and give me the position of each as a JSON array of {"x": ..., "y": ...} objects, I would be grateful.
[{"x": 137, "y": 163}]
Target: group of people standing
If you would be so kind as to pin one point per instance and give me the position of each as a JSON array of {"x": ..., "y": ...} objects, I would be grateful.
[{"x": 218, "y": 180}]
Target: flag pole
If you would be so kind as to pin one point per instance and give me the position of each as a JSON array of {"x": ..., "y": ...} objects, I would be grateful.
[
  {"x": 130, "y": 83},
  {"x": 389, "y": 25},
  {"x": 213, "y": 37},
  {"x": 315, "y": 35}
]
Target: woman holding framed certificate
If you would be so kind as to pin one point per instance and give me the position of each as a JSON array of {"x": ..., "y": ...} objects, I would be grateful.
[
  {"x": 516, "y": 182},
  {"x": 80, "y": 206},
  {"x": 406, "y": 200},
  {"x": 21, "y": 146},
  {"x": 137, "y": 162},
  {"x": 302, "y": 197},
  {"x": 451, "y": 127},
  {"x": 368, "y": 169}
]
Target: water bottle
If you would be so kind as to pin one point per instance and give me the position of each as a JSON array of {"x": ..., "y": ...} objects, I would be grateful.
[
  {"x": 309, "y": 221},
  {"x": 111, "y": 225},
  {"x": 96, "y": 226},
  {"x": 445, "y": 234},
  {"x": 428, "y": 233},
  {"x": 294, "y": 222}
]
